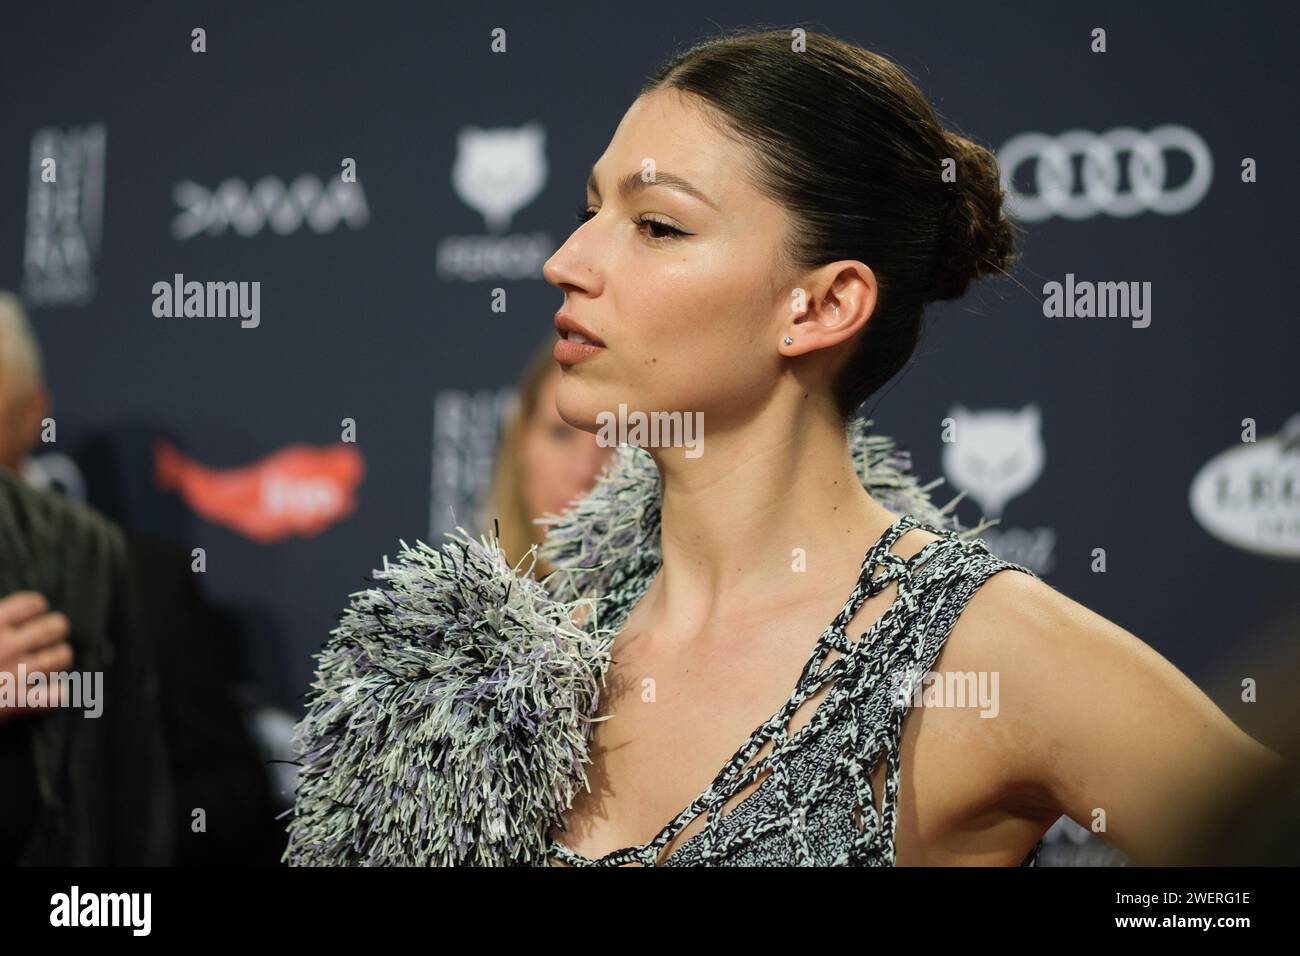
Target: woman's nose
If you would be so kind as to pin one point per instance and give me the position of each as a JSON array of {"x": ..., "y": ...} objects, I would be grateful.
[
  {"x": 568, "y": 268},
  {"x": 549, "y": 269},
  {"x": 554, "y": 269}
]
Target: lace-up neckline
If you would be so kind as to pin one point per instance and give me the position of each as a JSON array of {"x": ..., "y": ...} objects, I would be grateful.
[{"x": 734, "y": 778}]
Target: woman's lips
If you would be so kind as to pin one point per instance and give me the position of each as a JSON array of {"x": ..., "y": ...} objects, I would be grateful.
[{"x": 571, "y": 353}]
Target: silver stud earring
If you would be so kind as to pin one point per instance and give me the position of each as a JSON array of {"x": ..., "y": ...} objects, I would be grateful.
[{"x": 788, "y": 341}]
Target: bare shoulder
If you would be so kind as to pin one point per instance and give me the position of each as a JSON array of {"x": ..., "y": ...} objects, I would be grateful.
[
  {"x": 1057, "y": 659},
  {"x": 1018, "y": 613},
  {"x": 1050, "y": 643}
]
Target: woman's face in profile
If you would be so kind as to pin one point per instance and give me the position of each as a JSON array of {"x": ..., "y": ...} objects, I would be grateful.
[
  {"x": 560, "y": 462},
  {"x": 690, "y": 322}
]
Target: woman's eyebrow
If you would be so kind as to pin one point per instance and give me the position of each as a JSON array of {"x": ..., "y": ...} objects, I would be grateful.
[{"x": 633, "y": 183}]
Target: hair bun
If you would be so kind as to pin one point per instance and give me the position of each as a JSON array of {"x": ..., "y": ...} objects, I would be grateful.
[{"x": 976, "y": 236}]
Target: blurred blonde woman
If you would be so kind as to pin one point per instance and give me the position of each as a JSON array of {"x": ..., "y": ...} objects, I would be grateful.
[{"x": 542, "y": 462}]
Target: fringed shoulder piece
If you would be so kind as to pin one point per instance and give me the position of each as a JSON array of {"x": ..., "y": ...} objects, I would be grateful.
[
  {"x": 445, "y": 723},
  {"x": 612, "y": 533},
  {"x": 449, "y": 721}
]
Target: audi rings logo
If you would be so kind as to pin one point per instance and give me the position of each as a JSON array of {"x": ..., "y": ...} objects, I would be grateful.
[
  {"x": 1100, "y": 186},
  {"x": 284, "y": 208}
]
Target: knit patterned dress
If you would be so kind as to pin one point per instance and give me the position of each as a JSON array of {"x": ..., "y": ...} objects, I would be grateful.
[{"x": 803, "y": 813}]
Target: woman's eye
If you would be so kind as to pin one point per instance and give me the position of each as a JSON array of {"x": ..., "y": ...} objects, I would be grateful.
[
  {"x": 670, "y": 232},
  {"x": 658, "y": 230}
]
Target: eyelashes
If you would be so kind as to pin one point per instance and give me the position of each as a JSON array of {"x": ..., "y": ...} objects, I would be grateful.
[{"x": 671, "y": 232}]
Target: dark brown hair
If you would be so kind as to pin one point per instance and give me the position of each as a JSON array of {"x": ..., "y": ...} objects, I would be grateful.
[{"x": 852, "y": 148}]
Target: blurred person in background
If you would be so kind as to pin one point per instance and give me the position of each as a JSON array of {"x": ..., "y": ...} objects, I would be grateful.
[
  {"x": 24, "y": 399},
  {"x": 76, "y": 788},
  {"x": 124, "y": 788},
  {"x": 542, "y": 462}
]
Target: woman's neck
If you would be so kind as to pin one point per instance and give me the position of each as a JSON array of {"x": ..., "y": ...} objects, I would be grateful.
[{"x": 769, "y": 516}]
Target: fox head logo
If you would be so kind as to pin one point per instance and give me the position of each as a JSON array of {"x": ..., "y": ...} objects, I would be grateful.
[
  {"x": 998, "y": 454},
  {"x": 499, "y": 171}
]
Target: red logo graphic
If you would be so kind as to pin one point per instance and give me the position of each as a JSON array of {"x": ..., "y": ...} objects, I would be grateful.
[{"x": 297, "y": 490}]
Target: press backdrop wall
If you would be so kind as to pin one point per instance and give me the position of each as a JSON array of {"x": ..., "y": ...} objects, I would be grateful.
[{"x": 1167, "y": 159}]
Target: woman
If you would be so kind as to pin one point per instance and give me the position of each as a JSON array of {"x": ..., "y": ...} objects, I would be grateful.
[
  {"x": 759, "y": 241},
  {"x": 542, "y": 463}
]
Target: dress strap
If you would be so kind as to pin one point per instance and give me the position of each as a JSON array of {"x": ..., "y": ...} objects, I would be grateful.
[{"x": 896, "y": 568}]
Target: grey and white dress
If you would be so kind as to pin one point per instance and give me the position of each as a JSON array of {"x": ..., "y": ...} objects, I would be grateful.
[{"x": 804, "y": 812}]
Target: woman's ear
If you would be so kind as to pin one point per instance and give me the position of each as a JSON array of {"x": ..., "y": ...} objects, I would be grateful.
[
  {"x": 836, "y": 309},
  {"x": 853, "y": 291}
]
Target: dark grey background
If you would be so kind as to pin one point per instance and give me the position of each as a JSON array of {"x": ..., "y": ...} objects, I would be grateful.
[{"x": 358, "y": 323}]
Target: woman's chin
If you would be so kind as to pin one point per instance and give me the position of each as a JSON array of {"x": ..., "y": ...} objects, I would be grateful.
[
  {"x": 577, "y": 411},
  {"x": 580, "y": 403}
]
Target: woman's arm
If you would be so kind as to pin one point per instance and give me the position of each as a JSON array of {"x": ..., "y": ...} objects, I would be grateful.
[{"x": 1120, "y": 736}]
